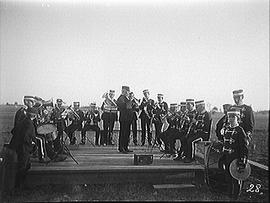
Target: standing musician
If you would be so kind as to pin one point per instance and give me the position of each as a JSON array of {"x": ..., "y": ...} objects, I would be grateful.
[
  {"x": 198, "y": 130},
  {"x": 92, "y": 118},
  {"x": 125, "y": 107},
  {"x": 222, "y": 122},
  {"x": 235, "y": 143},
  {"x": 135, "y": 109},
  {"x": 160, "y": 113},
  {"x": 247, "y": 120},
  {"x": 146, "y": 114},
  {"x": 188, "y": 116},
  {"x": 58, "y": 117},
  {"x": 22, "y": 142},
  {"x": 76, "y": 116},
  {"x": 109, "y": 116}
]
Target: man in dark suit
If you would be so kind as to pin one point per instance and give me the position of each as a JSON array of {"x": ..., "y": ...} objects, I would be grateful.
[
  {"x": 125, "y": 107},
  {"x": 22, "y": 142},
  {"x": 135, "y": 109}
]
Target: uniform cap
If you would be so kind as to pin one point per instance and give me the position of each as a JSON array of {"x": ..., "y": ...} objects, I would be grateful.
[
  {"x": 190, "y": 100},
  {"x": 112, "y": 91},
  {"x": 125, "y": 88},
  {"x": 173, "y": 105},
  {"x": 234, "y": 111},
  {"x": 183, "y": 103},
  {"x": 146, "y": 91},
  {"x": 59, "y": 100},
  {"x": 93, "y": 104},
  {"x": 30, "y": 98},
  {"x": 160, "y": 95},
  {"x": 199, "y": 102},
  {"x": 238, "y": 92}
]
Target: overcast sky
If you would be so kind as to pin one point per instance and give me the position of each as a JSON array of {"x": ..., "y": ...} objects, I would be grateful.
[{"x": 77, "y": 50}]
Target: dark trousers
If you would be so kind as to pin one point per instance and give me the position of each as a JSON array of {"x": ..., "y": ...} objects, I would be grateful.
[
  {"x": 124, "y": 135},
  {"x": 134, "y": 131},
  {"x": 169, "y": 137},
  {"x": 23, "y": 166},
  {"x": 41, "y": 141},
  {"x": 70, "y": 131},
  {"x": 189, "y": 142},
  {"x": 158, "y": 126},
  {"x": 145, "y": 125},
  {"x": 108, "y": 126},
  {"x": 88, "y": 127},
  {"x": 234, "y": 186},
  {"x": 59, "y": 139}
]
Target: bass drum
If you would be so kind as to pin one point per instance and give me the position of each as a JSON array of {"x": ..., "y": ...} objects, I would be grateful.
[
  {"x": 214, "y": 173},
  {"x": 46, "y": 129}
]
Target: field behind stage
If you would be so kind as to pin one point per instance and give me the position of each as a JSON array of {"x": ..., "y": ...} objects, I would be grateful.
[{"x": 140, "y": 192}]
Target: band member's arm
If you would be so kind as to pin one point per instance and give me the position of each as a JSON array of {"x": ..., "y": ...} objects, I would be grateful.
[
  {"x": 29, "y": 135},
  {"x": 121, "y": 103},
  {"x": 206, "y": 122},
  {"x": 243, "y": 147},
  {"x": 250, "y": 122},
  {"x": 102, "y": 106},
  {"x": 219, "y": 126}
]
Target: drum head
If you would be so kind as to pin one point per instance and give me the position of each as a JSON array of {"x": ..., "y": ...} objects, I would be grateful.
[
  {"x": 46, "y": 129},
  {"x": 239, "y": 175}
]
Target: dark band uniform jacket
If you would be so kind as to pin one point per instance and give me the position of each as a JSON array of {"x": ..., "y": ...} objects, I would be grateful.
[
  {"x": 125, "y": 108},
  {"x": 19, "y": 117},
  {"x": 202, "y": 124},
  {"x": 92, "y": 117},
  {"x": 76, "y": 121},
  {"x": 23, "y": 135},
  {"x": 235, "y": 144},
  {"x": 149, "y": 106},
  {"x": 246, "y": 117},
  {"x": 190, "y": 115},
  {"x": 135, "y": 109},
  {"x": 159, "y": 111},
  {"x": 57, "y": 118}
]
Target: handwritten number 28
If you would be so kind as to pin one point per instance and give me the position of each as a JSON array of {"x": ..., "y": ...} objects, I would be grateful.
[{"x": 254, "y": 188}]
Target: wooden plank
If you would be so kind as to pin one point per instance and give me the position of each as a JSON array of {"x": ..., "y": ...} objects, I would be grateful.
[{"x": 173, "y": 186}]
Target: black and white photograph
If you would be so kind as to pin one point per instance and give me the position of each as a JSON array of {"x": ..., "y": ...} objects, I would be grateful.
[{"x": 134, "y": 100}]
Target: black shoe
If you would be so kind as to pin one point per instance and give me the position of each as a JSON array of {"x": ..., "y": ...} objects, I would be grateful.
[
  {"x": 128, "y": 150},
  {"x": 178, "y": 158},
  {"x": 82, "y": 143},
  {"x": 142, "y": 144}
]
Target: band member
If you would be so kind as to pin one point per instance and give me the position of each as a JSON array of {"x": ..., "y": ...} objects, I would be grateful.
[
  {"x": 234, "y": 147},
  {"x": 22, "y": 142},
  {"x": 125, "y": 107},
  {"x": 135, "y": 109},
  {"x": 222, "y": 122},
  {"x": 76, "y": 116},
  {"x": 92, "y": 118},
  {"x": 198, "y": 130},
  {"x": 246, "y": 113},
  {"x": 146, "y": 114},
  {"x": 58, "y": 119},
  {"x": 172, "y": 130},
  {"x": 109, "y": 116},
  {"x": 160, "y": 113},
  {"x": 188, "y": 117}
]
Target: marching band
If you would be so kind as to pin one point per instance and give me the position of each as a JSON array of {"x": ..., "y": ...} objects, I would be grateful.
[{"x": 189, "y": 123}]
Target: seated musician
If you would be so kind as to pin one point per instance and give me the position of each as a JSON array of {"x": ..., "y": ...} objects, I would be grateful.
[
  {"x": 92, "y": 118},
  {"x": 235, "y": 146},
  {"x": 198, "y": 130},
  {"x": 76, "y": 116},
  {"x": 222, "y": 122},
  {"x": 167, "y": 135},
  {"x": 188, "y": 114}
]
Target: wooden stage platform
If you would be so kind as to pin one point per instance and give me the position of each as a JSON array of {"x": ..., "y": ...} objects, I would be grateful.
[{"x": 104, "y": 164}]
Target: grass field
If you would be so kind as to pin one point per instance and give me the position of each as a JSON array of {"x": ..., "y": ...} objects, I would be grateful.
[{"x": 140, "y": 192}]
